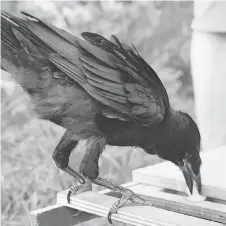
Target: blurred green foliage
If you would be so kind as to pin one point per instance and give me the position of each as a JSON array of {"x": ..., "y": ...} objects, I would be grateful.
[{"x": 161, "y": 33}]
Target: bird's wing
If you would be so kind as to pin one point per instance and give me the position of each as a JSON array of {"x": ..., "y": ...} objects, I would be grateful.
[
  {"x": 114, "y": 74},
  {"x": 124, "y": 82}
]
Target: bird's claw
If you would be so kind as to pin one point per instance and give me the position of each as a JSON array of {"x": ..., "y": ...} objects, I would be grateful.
[
  {"x": 78, "y": 188},
  {"x": 109, "y": 217},
  {"x": 116, "y": 206},
  {"x": 126, "y": 196},
  {"x": 73, "y": 189}
]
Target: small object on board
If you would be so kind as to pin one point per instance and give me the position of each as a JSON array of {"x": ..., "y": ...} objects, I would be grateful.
[{"x": 195, "y": 196}]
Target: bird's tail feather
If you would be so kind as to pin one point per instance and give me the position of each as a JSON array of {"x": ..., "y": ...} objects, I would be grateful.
[
  {"x": 41, "y": 59},
  {"x": 11, "y": 23},
  {"x": 19, "y": 56},
  {"x": 31, "y": 44}
]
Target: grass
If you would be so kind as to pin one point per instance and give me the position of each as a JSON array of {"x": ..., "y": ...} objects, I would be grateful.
[{"x": 29, "y": 179}]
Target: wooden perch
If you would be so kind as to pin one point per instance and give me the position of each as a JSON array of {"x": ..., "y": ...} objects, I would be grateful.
[{"x": 100, "y": 204}]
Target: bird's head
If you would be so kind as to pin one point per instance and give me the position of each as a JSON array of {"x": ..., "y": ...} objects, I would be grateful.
[
  {"x": 190, "y": 167},
  {"x": 184, "y": 148},
  {"x": 188, "y": 157}
]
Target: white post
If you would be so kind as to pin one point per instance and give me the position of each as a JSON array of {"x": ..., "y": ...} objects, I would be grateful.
[{"x": 208, "y": 63}]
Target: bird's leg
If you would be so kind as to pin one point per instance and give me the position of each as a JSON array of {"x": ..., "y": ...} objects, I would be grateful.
[
  {"x": 89, "y": 168},
  {"x": 126, "y": 195},
  {"x": 61, "y": 156}
]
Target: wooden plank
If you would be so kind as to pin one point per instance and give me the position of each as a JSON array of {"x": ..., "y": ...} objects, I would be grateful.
[
  {"x": 214, "y": 210},
  {"x": 58, "y": 215},
  {"x": 100, "y": 204},
  {"x": 167, "y": 175},
  {"x": 177, "y": 202}
]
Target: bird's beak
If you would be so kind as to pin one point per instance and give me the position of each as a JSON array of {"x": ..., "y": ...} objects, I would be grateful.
[{"x": 189, "y": 176}]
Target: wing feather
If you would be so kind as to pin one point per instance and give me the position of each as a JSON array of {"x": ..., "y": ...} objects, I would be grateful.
[
  {"x": 114, "y": 74},
  {"x": 143, "y": 93},
  {"x": 104, "y": 86},
  {"x": 103, "y": 71},
  {"x": 107, "y": 101}
]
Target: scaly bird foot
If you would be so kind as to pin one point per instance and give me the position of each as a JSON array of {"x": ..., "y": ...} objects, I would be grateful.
[
  {"x": 78, "y": 187},
  {"x": 81, "y": 183},
  {"x": 114, "y": 208},
  {"x": 126, "y": 195}
]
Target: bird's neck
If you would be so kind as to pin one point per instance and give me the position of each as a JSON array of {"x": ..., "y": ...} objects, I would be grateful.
[
  {"x": 120, "y": 133},
  {"x": 164, "y": 134}
]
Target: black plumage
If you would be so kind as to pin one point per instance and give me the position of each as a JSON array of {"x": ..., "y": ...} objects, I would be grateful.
[{"x": 99, "y": 90}]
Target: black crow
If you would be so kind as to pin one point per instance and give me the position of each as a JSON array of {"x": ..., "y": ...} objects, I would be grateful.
[{"x": 101, "y": 91}]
